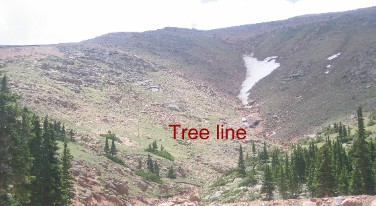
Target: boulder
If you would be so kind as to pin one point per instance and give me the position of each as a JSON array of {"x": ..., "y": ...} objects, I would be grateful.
[
  {"x": 338, "y": 200},
  {"x": 351, "y": 202},
  {"x": 121, "y": 189},
  {"x": 143, "y": 186},
  {"x": 173, "y": 107},
  {"x": 194, "y": 198},
  {"x": 373, "y": 203}
]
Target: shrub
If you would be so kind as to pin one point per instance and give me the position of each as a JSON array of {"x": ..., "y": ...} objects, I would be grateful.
[
  {"x": 116, "y": 160},
  {"x": 149, "y": 176},
  {"x": 219, "y": 182}
]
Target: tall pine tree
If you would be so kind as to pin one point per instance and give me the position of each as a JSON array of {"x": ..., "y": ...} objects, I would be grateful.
[
  {"x": 241, "y": 165},
  {"x": 267, "y": 183}
]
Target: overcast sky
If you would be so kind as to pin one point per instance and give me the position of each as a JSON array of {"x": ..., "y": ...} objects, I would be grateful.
[{"x": 58, "y": 21}]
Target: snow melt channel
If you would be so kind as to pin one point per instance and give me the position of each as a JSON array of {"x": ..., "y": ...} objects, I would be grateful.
[{"x": 256, "y": 70}]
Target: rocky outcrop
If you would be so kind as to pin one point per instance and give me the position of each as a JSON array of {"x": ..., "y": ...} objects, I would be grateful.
[{"x": 351, "y": 202}]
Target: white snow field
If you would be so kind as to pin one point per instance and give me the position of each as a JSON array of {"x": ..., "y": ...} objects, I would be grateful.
[
  {"x": 334, "y": 56},
  {"x": 256, "y": 70}
]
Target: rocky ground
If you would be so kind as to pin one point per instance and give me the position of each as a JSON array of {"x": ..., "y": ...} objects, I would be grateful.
[{"x": 362, "y": 200}]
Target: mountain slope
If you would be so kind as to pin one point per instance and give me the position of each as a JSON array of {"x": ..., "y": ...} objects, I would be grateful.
[
  {"x": 136, "y": 84},
  {"x": 304, "y": 92}
]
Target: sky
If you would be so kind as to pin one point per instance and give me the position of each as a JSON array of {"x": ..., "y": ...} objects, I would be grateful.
[{"x": 59, "y": 21}]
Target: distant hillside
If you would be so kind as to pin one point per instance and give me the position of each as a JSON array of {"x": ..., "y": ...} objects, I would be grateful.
[{"x": 135, "y": 84}]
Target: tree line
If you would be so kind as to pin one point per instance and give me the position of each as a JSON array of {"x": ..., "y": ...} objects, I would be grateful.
[
  {"x": 327, "y": 170},
  {"x": 32, "y": 172}
]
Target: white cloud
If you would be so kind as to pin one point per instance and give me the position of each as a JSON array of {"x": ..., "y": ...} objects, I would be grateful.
[{"x": 54, "y": 21}]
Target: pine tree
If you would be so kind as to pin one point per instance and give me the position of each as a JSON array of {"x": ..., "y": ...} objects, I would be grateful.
[
  {"x": 156, "y": 169},
  {"x": 294, "y": 182},
  {"x": 8, "y": 122},
  {"x": 253, "y": 148},
  {"x": 324, "y": 182},
  {"x": 281, "y": 182},
  {"x": 66, "y": 176},
  {"x": 362, "y": 162},
  {"x": 275, "y": 162},
  {"x": 241, "y": 165},
  {"x": 343, "y": 182},
  {"x": 21, "y": 160},
  {"x": 267, "y": 183},
  {"x": 340, "y": 133},
  {"x": 149, "y": 163},
  {"x": 106, "y": 147},
  {"x": 36, "y": 150},
  {"x": 51, "y": 173},
  {"x": 63, "y": 133},
  {"x": 171, "y": 173},
  {"x": 264, "y": 155},
  {"x": 113, "y": 150},
  {"x": 356, "y": 181},
  {"x": 71, "y": 135},
  {"x": 155, "y": 146}
]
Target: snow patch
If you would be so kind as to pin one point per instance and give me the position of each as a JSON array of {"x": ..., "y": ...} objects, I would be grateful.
[
  {"x": 327, "y": 72},
  {"x": 328, "y": 66},
  {"x": 256, "y": 70},
  {"x": 334, "y": 56}
]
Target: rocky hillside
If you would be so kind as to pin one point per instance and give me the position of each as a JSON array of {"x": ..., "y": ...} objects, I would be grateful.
[{"x": 136, "y": 84}]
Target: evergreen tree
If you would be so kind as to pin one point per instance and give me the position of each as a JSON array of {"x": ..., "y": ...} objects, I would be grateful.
[
  {"x": 113, "y": 150},
  {"x": 66, "y": 176},
  {"x": 71, "y": 135},
  {"x": 156, "y": 168},
  {"x": 281, "y": 182},
  {"x": 267, "y": 183},
  {"x": 362, "y": 161},
  {"x": 21, "y": 160},
  {"x": 63, "y": 133},
  {"x": 155, "y": 145},
  {"x": 340, "y": 133},
  {"x": 286, "y": 171},
  {"x": 275, "y": 162},
  {"x": 294, "y": 182},
  {"x": 324, "y": 181},
  {"x": 343, "y": 182},
  {"x": 264, "y": 155},
  {"x": 299, "y": 162},
  {"x": 171, "y": 173},
  {"x": 8, "y": 124},
  {"x": 241, "y": 165},
  {"x": 253, "y": 148},
  {"x": 356, "y": 181},
  {"x": 106, "y": 147},
  {"x": 51, "y": 173},
  {"x": 149, "y": 163},
  {"x": 37, "y": 152}
]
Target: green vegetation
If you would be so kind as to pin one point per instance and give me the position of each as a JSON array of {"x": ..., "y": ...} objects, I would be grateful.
[
  {"x": 153, "y": 171},
  {"x": 153, "y": 148},
  {"x": 241, "y": 166},
  {"x": 110, "y": 153},
  {"x": 219, "y": 182},
  {"x": 171, "y": 173},
  {"x": 328, "y": 167},
  {"x": 149, "y": 176},
  {"x": 31, "y": 170}
]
